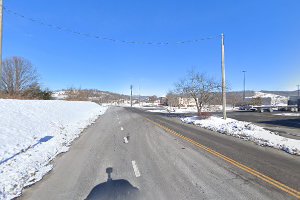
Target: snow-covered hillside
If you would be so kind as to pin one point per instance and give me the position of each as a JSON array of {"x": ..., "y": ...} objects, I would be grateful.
[
  {"x": 270, "y": 99},
  {"x": 59, "y": 95},
  {"x": 32, "y": 133}
]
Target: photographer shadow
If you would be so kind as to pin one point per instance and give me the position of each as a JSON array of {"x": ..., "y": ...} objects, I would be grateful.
[{"x": 113, "y": 189}]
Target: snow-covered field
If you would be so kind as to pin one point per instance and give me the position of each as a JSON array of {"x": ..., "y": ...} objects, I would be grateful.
[
  {"x": 246, "y": 131},
  {"x": 32, "y": 133}
]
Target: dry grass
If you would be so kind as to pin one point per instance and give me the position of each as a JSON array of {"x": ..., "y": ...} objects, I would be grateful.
[{"x": 205, "y": 115}]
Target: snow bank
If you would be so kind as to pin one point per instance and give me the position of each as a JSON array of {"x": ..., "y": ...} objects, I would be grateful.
[
  {"x": 167, "y": 109},
  {"x": 32, "y": 133},
  {"x": 158, "y": 111},
  {"x": 246, "y": 131},
  {"x": 289, "y": 114}
]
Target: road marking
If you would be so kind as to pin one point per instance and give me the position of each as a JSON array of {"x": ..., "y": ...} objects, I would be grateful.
[
  {"x": 135, "y": 169},
  {"x": 119, "y": 122},
  {"x": 259, "y": 175},
  {"x": 125, "y": 140},
  {"x": 122, "y": 129}
]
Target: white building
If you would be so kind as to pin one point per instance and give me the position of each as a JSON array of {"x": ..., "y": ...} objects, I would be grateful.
[{"x": 186, "y": 102}]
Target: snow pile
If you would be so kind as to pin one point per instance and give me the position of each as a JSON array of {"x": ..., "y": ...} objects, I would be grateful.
[
  {"x": 158, "y": 111},
  {"x": 289, "y": 114},
  {"x": 246, "y": 131},
  {"x": 205, "y": 108},
  {"x": 168, "y": 109},
  {"x": 32, "y": 133}
]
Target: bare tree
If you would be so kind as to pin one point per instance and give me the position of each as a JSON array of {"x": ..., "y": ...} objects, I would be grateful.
[
  {"x": 152, "y": 98},
  {"x": 172, "y": 99},
  {"x": 199, "y": 87},
  {"x": 256, "y": 101},
  {"x": 74, "y": 94},
  {"x": 234, "y": 98},
  {"x": 18, "y": 76}
]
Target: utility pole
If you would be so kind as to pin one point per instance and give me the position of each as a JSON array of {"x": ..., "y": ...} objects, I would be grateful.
[
  {"x": 139, "y": 96},
  {"x": 131, "y": 95},
  {"x": 1, "y": 22},
  {"x": 244, "y": 94},
  {"x": 223, "y": 79},
  {"x": 298, "y": 90}
]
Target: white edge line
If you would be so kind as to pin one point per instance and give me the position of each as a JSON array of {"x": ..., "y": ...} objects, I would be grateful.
[{"x": 135, "y": 169}]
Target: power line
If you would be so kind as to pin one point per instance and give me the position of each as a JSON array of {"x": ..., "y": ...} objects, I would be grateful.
[{"x": 64, "y": 29}]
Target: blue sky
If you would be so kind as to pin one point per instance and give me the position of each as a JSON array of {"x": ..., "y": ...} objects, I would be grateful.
[{"x": 261, "y": 36}]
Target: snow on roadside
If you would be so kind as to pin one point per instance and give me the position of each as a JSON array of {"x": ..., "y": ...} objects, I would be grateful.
[
  {"x": 167, "y": 109},
  {"x": 32, "y": 133},
  {"x": 158, "y": 111},
  {"x": 246, "y": 131},
  {"x": 289, "y": 114}
]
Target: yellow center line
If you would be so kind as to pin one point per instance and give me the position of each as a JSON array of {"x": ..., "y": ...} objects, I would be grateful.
[{"x": 259, "y": 175}]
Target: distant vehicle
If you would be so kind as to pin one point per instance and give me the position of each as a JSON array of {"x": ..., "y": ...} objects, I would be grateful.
[
  {"x": 294, "y": 101},
  {"x": 270, "y": 108},
  {"x": 245, "y": 107}
]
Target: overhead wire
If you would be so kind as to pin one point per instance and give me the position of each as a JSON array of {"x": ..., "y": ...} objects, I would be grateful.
[{"x": 89, "y": 35}]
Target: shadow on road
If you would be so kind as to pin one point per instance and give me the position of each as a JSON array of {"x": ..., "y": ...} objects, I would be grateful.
[
  {"x": 114, "y": 189},
  {"x": 293, "y": 123}
]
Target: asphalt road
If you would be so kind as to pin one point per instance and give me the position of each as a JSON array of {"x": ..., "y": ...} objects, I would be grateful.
[
  {"x": 154, "y": 164},
  {"x": 287, "y": 126}
]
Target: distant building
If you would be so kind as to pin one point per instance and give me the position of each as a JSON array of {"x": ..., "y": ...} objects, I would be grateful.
[
  {"x": 157, "y": 101},
  {"x": 186, "y": 101},
  {"x": 122, "y": 101},
  {"x": 163, "y": 101}
]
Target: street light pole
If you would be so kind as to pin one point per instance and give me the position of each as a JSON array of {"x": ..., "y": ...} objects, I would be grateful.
[
  {"x": 131, "y": 95},
  {"x": 223, "y": 78},
  {"x": 244, "y": 94},
  {"x": 298, "y": 89}
]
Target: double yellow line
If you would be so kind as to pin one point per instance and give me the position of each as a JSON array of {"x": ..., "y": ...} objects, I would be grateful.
[{"x": 259, "y": 175}]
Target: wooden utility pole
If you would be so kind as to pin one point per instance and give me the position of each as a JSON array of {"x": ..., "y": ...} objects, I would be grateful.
[
  {"x": 1, "y": 22},
  {"x": 223, "y": 78}
]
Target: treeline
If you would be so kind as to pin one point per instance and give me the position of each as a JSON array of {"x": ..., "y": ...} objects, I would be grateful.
[
  {"x": 74, "y": 94},
  {"x": 20, "y": 80}
]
